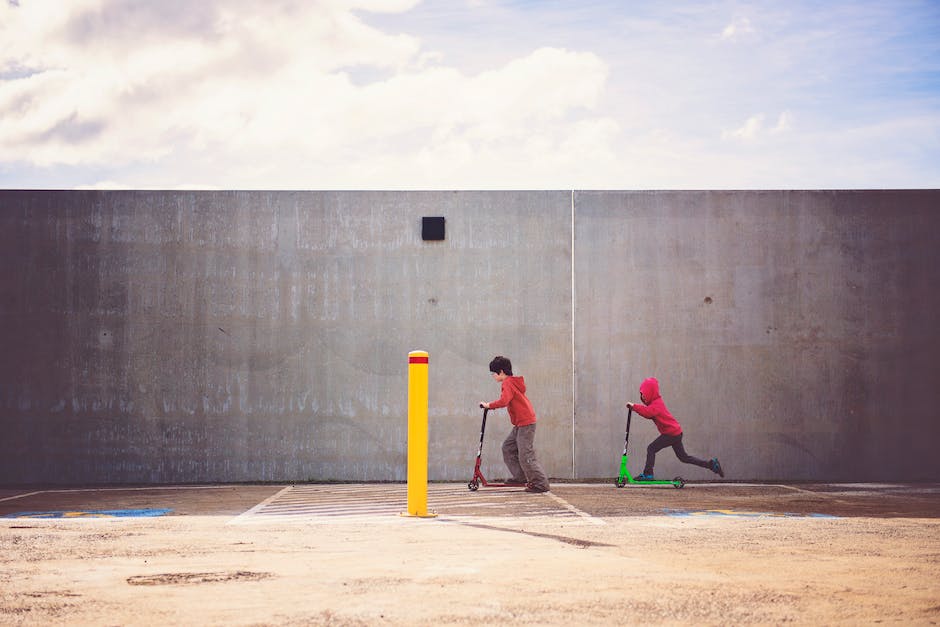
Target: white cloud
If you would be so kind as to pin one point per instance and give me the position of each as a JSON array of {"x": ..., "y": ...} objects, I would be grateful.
[
  {"x": 267, "y": 93},
  {"x": 784, "y": 123},
  {"x": 738, "y": 28},
  {"x": 750, "y": 130},
  {"x": 753, "y": 128},
  {"x": 95, "y": 94},
  {"x": 104, "y": 185},
  {"x": 352, "y": 94}
]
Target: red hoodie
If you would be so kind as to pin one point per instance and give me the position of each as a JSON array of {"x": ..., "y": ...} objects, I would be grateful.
[
  {"x": 513, "y": 397},
  {"x": 655, "y": 409}
]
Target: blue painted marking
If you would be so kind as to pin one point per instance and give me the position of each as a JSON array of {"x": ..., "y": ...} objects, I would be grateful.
[
  {"x": 739, "y": 514},
  {"x": 99, "y": 513}
]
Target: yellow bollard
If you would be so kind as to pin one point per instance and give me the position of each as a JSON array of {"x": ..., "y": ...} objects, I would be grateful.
[{"x": 418, "y": 435}]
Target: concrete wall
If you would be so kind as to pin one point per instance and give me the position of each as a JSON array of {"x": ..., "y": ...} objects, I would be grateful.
[
  {"x": 163, "y": 336},
  {"x": 263, "y": 336},
  {"x": 794, "y": 334}
]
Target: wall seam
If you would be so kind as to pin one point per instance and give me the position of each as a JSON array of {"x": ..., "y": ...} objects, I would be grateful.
[{"x": 574, "y": 360}]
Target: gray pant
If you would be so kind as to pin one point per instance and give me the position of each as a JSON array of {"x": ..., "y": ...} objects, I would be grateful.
[{"x": 519, "y": 455}]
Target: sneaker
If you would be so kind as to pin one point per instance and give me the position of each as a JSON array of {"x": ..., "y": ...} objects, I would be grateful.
[
  {"x": 531, "y": 488},
  {"x": 716, "y": 467},
  {"x": 644, "y": 477}
]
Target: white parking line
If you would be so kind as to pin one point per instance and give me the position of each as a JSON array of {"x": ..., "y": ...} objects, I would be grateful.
[
  {"x": 572, "y": 508},
  {"x": 262, "y": 504},
  {"x": 383, "y": 503}
]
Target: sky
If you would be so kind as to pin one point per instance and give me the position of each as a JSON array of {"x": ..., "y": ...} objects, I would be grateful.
[{"x": 469, "y": 94}]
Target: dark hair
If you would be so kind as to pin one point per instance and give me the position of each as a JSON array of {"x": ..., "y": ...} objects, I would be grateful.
[{"x": 501, "y": 363}]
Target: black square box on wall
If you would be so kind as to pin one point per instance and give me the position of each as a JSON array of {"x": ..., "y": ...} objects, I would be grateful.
[{"x": 432, "y": 228}]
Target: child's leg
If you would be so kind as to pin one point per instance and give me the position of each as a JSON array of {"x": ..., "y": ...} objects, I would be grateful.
[
  {"x": 511, "y": 457},
  {"x": 535, "y": 475},
  {"x": 685, "y": 458},
  {"x": 655, "y": 446}
]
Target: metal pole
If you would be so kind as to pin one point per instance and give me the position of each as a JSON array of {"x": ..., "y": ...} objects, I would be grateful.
[{"x": 418, "y": 435}]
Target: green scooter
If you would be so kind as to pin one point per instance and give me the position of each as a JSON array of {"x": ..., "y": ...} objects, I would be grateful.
[{"x": 625, "y": 477}]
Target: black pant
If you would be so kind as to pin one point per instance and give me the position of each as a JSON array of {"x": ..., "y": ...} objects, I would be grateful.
[{"x": 675, "y": 441}]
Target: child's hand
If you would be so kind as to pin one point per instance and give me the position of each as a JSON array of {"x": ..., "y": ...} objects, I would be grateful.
[
  {"x": 484, "y": 405},
  {"x": 630, "y": 405}
]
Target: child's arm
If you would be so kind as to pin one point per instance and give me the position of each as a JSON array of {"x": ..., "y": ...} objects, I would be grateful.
[
  {"x": 503, "y": 399},
  {"x": 643, "y": 410}
]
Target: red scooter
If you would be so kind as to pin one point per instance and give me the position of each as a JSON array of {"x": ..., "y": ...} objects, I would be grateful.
[{"x": 478, "y": 478}]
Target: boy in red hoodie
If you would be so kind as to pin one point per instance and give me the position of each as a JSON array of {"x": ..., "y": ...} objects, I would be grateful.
[
  {"x": 519, "y": 446},
  {"x": 654, "y": 408}
]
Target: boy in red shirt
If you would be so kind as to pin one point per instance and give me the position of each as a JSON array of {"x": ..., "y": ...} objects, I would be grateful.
[
  {"x": 519, "y": 446},
  {"x": 654, "y": 408}
]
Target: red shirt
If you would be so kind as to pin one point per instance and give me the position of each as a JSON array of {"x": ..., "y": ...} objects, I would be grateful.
[
  {"x": 655, "y": 409},
  {"x": 514, "y": 398}
]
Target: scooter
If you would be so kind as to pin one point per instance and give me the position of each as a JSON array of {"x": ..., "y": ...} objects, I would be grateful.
[
  {"x": 478, "y": 478},
  {"x": 624, "y": 478}
]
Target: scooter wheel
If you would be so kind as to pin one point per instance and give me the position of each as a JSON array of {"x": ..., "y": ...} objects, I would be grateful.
[
  {"x": 619, "y": 483},
  {"x": 474, "y": 486},
  {"x": 678, "y": 482}
]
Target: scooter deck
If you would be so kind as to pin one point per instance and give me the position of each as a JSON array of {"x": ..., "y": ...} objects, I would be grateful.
[
  {"x": 479, "y": 480},
  {"x": 624, "y": 478}
]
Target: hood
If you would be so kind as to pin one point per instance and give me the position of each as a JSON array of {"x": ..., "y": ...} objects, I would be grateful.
[
  {"x": 650, "y": 390},
  {"x": 518, "y": 383}
]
